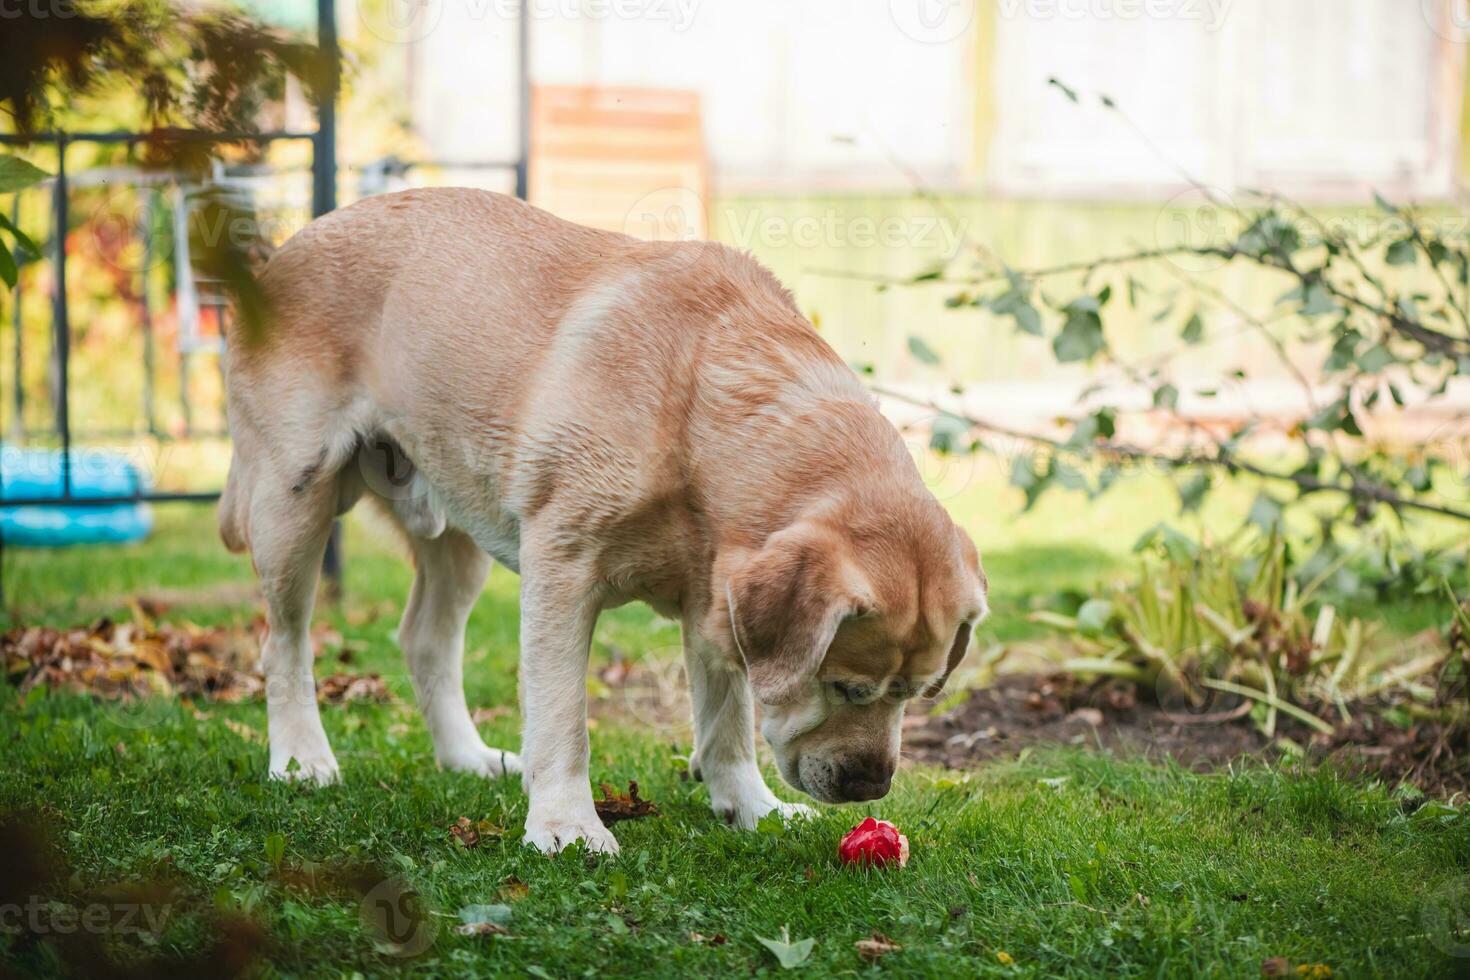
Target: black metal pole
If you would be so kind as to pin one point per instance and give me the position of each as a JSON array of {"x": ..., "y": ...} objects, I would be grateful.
[
  {"x": 324, "y": 144},
  {"x": 523, "y": 156},
  {"x": 18, "y": 396},
  {"x": 62, "y": 325},
  {"x": 145, "y": 310},
  {"x": 324, "y": 199}
]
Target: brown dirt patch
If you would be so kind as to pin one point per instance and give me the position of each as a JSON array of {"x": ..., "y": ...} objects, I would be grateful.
[{"x": 1030, "y": 710}]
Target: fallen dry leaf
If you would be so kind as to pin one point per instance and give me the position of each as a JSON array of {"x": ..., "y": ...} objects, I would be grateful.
[
  {"x": 119, "y": 661},
  {"x": 343, "y": 688},
  {"x": 614, "y": 806},
  {"x": 471, "y": 832},
  {"x": 1276, "y": 966},
  {"x": 875, "y": 947},
  {"x": 481, "y": 929},
  {"x": 244, "y": 731},
  {"x": 718, "y": 939},
  {"x": 616, "y": 673},
  {"x": 513, "y": 889}
]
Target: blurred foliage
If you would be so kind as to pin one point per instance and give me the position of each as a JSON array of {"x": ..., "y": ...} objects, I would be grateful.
[
  {"x": 1223, "y": 631},
  {"x": 200, "y": 80},
  {"x": 205, "y": 69},
  {"x": 1370, "y": 327},
  {"x": 16, "y": 175}
]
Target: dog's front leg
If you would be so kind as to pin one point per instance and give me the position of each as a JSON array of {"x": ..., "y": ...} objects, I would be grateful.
[
  {"x": 559, "y": 607},
  {"x": 724, "y": 742}
]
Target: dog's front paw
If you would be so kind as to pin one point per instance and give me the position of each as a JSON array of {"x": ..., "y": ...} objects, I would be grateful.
[
  {"x": 484, "y": 761},
  {"x": 319, "y": 769},
  {"x": 745, "y": 813},
  {"x": 796, "y": 811},
  {"x": 553, "y": 835}
]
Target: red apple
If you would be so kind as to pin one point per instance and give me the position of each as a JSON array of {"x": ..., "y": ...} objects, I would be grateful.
[{"x": 875, "y": 842}]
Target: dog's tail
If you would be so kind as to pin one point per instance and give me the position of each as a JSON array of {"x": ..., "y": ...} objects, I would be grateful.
[{"x": 234, "y": 508}]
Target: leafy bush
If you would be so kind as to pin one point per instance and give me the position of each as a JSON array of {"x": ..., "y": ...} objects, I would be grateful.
[{"x": 1222, "y": 631}]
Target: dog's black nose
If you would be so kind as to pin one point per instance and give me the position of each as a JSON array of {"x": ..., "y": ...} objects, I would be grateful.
[{"x": 868, "y": 779}]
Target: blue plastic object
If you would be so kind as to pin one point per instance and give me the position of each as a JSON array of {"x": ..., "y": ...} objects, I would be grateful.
[{"x": 35, "y": 474}]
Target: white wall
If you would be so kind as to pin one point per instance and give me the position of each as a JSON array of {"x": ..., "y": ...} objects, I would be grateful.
[
  {"x": 818, "y": 90},
  {"x": 1302, "y": 95},
  {"x": 1315, "y": 97}
]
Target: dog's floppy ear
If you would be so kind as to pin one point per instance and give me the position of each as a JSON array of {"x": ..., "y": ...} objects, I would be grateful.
[
  {"x": 786, "y": 602},
  {"x": 956, "y": 654}
]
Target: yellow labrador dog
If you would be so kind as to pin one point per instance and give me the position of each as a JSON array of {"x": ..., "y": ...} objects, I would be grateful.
[{"x": 614, "y": 420}]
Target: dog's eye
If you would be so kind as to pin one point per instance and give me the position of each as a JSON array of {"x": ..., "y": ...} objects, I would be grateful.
[{"x": 852, "y": 693}]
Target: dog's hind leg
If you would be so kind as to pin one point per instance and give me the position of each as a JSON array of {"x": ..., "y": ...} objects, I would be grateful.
[
  {"x": 450, "y": 574},
  {"x": 290, "y": 519}
]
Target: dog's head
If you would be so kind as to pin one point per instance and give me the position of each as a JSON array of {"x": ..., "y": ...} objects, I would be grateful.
[{"x": 840, "y": 625}]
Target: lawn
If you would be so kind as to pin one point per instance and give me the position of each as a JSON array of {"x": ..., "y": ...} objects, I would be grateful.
[{"x": 1056, "y": 863}]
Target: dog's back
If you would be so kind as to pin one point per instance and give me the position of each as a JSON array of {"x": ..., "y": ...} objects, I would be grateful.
[
  {"x": 450, "y": 318},
  {"x": 386, "y": 308}
]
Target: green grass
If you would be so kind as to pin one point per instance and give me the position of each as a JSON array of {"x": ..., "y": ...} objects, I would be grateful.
[{"x": 1068, "y": 863}]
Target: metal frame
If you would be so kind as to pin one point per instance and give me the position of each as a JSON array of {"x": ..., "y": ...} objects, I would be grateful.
[{"x": 324, "y": 171}]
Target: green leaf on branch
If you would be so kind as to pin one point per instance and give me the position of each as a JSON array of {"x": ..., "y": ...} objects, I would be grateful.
[
  {"x": 1402, "y": 252},
  {"x": 23, "y": 240},
  {"x": 1192, "y": 492},
  {"x": 1194, "y": 330},
  {"x": 1070, "y": 477},
  {"x": 9, "y": 274},
  {"x": 1081, "y": 338},
  {"x": 1408, "y": 309},
  {"x": 923, "y": 351},
  {"x": 947, "y": 434},
  {"x": 1056, "y": 83},
  {"x": 1375, "y": 359},
  {"x": 1102, "y": 424},
  {"x": 16, "y": 174},
  {"x": 1316, "y": 300},
  {"x": 1270, "y": 234},
  {"x": 1016, "y": 304},
  {"x": 1344, "y": 352},
  {"x": 1266, "y": 513},
  {"x": 1032, "y": 483},
  {"x": 1166, "y": 396},
  {"x": 1336, "y": 417}
]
